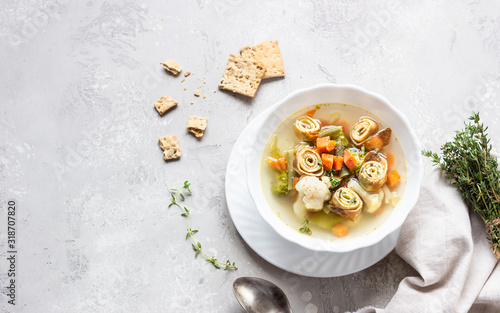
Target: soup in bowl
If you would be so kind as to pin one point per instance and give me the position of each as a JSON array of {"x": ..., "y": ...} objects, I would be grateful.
[{"x": 329, "y": 168}]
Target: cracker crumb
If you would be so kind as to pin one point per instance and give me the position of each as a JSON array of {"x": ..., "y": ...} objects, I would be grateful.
[
  {"x": 172, "y": 66},
  {"x": 204, "y": 97},
  {"x": 170, "y": 147},
  {"x": 165, "y": 104},
  {"x": 185, "y": 88},
  {"x": 197, "y": 93},
  {"x": 187, "y": 73},
  {"x": 196, "y": 125},
  {"x": 183, "y": 80}
]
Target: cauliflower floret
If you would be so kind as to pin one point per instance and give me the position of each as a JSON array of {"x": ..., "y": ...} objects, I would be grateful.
[{"x": 313, "y": 192}]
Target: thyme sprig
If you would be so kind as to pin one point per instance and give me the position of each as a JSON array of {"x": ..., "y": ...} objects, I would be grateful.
[
  {"x": 305, "y": 227},
  {"x": 468, "y": 164},
  {"x": 190, "y": 232}
]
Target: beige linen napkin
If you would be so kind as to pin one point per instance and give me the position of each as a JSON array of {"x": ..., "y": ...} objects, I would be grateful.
[{"x": 446, "y": 244}]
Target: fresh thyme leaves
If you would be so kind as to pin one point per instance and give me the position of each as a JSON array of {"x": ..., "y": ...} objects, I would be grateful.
[
  {"x": 190, "y": 232},
  {"x": 213, "y": 260},
  {"x": 173, "y": 202},
  {"x": 467, "y": 163},
  {"x": 305, "y": 227},
  {"x": 334, "y": 181},
  {"x": 176, "y": 192}
]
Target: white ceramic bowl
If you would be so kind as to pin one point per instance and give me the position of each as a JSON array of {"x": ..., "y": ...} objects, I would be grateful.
[{"x": 352, "y": 95}]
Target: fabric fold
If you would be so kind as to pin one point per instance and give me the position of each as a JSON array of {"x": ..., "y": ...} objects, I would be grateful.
[{"x": 445, "y": 242}]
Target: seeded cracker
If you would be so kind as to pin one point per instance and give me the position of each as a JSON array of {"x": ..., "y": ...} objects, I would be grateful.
[
  {"x": 171, "y": 66},
  {"x": 197, "y": 125},
  {"x": 242, "y": 75},
  {"x": 170, "y": 147},
  {"x": 269, "y": 54},
  {"x": 165, "y": 104}
]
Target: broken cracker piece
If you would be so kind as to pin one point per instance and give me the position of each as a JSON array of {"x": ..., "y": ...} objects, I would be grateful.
[
  {"x": 269, "y": 54},
  {"x": 165, "y": 104},
  {"x": 197, "y": 93},
  {"x": 196, "y": 125},
  {"x": 171, "y": 66},
  {"x": 170, "y": 147},
  {"x": 242, "y": 75},
  {"x": 183, "y": 80},
  {"x": 187, "y": 73}
]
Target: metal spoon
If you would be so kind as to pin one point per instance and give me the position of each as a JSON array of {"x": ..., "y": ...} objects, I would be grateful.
[{"x": 257, "y": 295}]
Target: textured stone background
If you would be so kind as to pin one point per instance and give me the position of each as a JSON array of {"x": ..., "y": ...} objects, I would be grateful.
[{"x": 79, "y": 135}]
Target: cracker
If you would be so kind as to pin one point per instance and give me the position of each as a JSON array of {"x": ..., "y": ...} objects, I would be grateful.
[
  {"x": 196, "y": 125},
  {"x": 165, "y": 104},
  {"x": 197, "y": 93},
  {"x": 249, "y": 53},
  {"x": 269, "y": 54},
  {"x": 242, "y": 75},
  {"x": 170, "y": 147},
  {"x": 172, "y": 66},
  {"x": 187, "y": 73}
]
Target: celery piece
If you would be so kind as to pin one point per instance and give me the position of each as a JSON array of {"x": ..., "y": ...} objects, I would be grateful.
[
  {"x": 332, "y": 131},
  {"x": 290, "y": 155},
  {"x": 344, "y": 171},
  {"x": 341, "y": 145},
  {"x": 273, "y": 147},
  {"x": 324, "y": 220}
]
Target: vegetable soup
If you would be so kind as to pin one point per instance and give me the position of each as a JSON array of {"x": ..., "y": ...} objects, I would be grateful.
[{"x": 333, "y": 171}]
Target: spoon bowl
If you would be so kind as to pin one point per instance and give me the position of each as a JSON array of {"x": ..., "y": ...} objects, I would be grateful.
[{"x": 257, "y": 295}]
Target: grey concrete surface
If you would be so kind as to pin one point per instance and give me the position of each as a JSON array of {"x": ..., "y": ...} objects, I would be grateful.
[{"x": 79, "y": 153}]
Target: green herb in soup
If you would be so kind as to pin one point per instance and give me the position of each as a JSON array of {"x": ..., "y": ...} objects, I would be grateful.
[{"x": 339, "y": 166}]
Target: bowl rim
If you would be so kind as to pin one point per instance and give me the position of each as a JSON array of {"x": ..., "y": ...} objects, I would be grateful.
[{"x": 409, "y": 199}]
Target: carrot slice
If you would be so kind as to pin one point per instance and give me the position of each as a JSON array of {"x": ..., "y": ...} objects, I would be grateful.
[
  {"x": 275, "y": 163},
  {"x": 337, "y": 163},
  {"x": 390, "y": 160},
  {"x": 311, "y": 113},
  {"x": 295, "y": 181},
  {"x": 330, "y": 145},
  {"x": 393, "y": 178},
  {"x": 321, "y": 143},
  {"x": 349, "y": 160},
  {"x": 282, "y": 162},
  {"x": 340, "y": 230},
  {"x": 327, "y": 160}
]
